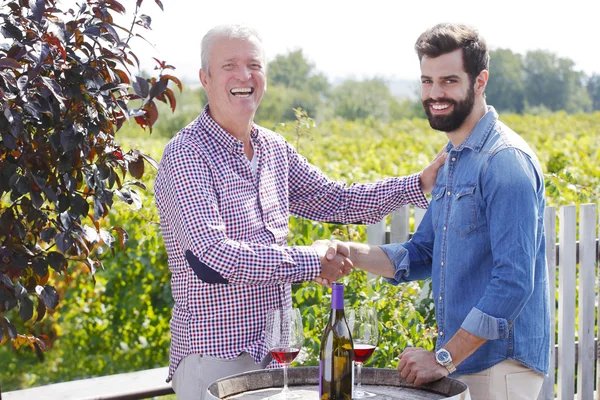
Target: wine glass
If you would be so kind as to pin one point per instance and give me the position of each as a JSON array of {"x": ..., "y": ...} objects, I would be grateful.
[
  {"x": 284, "y": 336},
  {"x": 365, "y": 334}
]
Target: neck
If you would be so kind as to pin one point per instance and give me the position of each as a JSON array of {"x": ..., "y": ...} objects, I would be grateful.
[
  {"x": 240, "y": 128},
  {"x": 462, "y": 133}
]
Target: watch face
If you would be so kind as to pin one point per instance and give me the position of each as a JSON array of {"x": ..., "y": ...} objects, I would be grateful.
[{"x": 443, "y": 356}]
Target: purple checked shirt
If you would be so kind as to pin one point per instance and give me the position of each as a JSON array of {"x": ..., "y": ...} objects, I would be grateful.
[{"x": 227, "y": 226}]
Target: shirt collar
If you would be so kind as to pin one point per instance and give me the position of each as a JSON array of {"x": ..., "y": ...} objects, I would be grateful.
[
  {"x": 227, "y": 140},
  {"x": 479, "y": 134}
]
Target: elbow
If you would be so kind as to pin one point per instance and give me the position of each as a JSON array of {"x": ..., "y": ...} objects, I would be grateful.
[{"x": 205, "y": 273}]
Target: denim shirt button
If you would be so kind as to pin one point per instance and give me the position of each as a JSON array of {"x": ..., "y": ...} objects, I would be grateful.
[
  {"x": 449, "y": 193},
  {"x": 453, "y": 158},
  {"x": 440, "y": 298},
  {"x": 442, "y": 333},
  {"x": 442, "y": 263},
  {"x": 444, "y": 228}
]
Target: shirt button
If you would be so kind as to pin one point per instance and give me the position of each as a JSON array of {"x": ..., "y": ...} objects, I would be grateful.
[
  {"x": 442, "y": 263},
  {"x": 448, "y": 193},
  {"x": 444, "y": 228},
  {"x": 442, "y": 333},
  {"x": 441, "y": 298},
  {"x": 453, "y": 158}
]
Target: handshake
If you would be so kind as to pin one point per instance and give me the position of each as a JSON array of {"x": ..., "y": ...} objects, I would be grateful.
[{"x": 335, "y": 260}]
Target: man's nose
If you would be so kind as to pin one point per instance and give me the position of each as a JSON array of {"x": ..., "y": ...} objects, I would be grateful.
[
  {"x": 437, "y": 91},
  {"x": 243, "y": 74}
]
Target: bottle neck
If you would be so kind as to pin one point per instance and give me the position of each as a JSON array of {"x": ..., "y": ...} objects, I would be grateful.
[
  {"x": 337, "y": 298},
  {"x": 337, "y": 315}
]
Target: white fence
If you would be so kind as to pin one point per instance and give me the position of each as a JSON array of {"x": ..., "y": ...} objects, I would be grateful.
[{"x": 574, "y": 259}]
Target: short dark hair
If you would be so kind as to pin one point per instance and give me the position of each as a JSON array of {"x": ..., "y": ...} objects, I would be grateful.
[{"x": 445, "y": 38}]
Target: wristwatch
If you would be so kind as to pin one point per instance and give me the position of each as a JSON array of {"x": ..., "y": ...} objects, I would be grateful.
[{"x": 443, "y": 357}]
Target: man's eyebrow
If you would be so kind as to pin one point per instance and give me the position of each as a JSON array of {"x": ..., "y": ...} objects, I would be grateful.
[{"x": 443, "y": 78}]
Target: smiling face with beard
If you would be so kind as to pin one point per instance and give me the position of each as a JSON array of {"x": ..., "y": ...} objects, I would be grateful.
[
  {"x": 450, "y": 121},
  {"x": 447, "y": 92}
]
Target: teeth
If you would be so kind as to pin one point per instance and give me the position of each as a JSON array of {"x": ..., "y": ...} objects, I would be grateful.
[
  {"x": 440, "y": 106},
  {"x": 241, "y": 90}
]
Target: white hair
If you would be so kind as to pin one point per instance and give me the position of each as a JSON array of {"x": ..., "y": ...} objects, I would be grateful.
[{"x": 225, "y": 31}]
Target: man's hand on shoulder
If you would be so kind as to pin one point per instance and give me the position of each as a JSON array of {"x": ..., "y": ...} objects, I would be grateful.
[{"x": 430, "y": 172}]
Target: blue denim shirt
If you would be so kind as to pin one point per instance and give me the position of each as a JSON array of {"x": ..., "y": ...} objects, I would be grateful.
[{"x": 482, "y": 243}]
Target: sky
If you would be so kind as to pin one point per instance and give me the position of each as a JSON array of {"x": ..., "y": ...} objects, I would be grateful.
[{"x": 374, "y": 38}]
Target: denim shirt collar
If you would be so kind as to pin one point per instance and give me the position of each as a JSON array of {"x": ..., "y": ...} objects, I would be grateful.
[{"x": 479, "y": 134}]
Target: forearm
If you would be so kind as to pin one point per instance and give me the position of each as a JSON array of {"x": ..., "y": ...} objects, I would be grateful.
[
  {"x": 324, "y": 200},
  {"x": 371, "y": 259},
  {"x": 462, "y": 345},
  {"x": 256, "y": 264}
]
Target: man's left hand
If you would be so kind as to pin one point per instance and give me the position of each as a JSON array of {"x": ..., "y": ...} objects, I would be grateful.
[
  {"x": 418, "y": 366},
  {"x": 430, "y": 172}
]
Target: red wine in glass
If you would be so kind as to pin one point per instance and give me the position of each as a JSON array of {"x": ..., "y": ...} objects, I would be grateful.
[
  {"x": 285, "y": 355},
  {"x": 362, "y": 352},
  {"x": 365, "y": 334},
  {"x": 284, "y": 336}
]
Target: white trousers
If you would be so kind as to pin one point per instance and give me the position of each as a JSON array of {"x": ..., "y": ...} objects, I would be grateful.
[
  {"x": 196, "y": 372},
  {"x": 508, "y": 380}
]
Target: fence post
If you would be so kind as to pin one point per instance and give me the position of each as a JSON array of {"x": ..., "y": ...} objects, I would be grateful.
[
  {"x": 419, "y": 214},
  {"x": 400, "y": 231},
  {"x": 566, "y": 305},
  {"x": 375, "y": 236},
  {"x": 547, "y": 392},
  {"x": 587, "y": 278},
  {"x": 598, "y": 348}
]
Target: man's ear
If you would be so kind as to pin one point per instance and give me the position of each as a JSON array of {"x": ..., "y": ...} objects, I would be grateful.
[
  {"x": 204, "y": 78},
  {"x": 481, "y": 81}
]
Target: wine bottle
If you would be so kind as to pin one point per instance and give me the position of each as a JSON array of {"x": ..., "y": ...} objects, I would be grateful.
[{"x": 337, "y": 352}]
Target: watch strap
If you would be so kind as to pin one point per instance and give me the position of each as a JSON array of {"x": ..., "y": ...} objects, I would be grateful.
[
  {"x": 450, "y": 367},
  {"x": 448, "y": 364}
]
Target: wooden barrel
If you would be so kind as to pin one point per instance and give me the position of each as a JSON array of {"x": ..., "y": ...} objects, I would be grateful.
[{"x": 384, "y": 383}]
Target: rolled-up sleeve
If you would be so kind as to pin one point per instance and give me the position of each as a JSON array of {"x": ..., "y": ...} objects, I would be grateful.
[
  {"x": 412, "y": 260},
  {"x": 485, "y": 326},
  {"x": 398, "y": 255}
]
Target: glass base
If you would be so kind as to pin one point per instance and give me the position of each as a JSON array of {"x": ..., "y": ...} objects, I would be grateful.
[
  {"x": 285, "y": 395},
  {"x": 361, "y": 394}
]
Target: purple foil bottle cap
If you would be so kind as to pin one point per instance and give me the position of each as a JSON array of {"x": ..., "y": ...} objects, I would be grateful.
[{"x": 337, "y": 296}]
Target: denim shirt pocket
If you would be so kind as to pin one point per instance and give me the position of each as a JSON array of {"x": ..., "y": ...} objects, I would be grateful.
[
  {"x": 436, "y": 204},
  {"x": 463, "y": 214}
]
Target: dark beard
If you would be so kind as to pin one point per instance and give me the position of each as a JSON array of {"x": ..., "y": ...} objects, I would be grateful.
[{"x": 453, "y": 121}]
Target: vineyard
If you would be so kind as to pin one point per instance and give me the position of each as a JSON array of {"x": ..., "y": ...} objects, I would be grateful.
[{"x": 122, "y": 322}]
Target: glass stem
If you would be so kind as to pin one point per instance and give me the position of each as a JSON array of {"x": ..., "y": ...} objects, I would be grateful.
[
  {"x": 285, "y": 378},
  {"x": 358, "y": 380}
]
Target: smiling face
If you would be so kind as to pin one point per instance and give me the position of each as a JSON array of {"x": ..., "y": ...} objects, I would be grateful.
[
  {"x": 235, "y": 81},
  {"x": 447, "y": 93}
]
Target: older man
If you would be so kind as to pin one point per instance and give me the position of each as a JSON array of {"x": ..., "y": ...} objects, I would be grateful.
[{"x": 225, "y": 190}]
